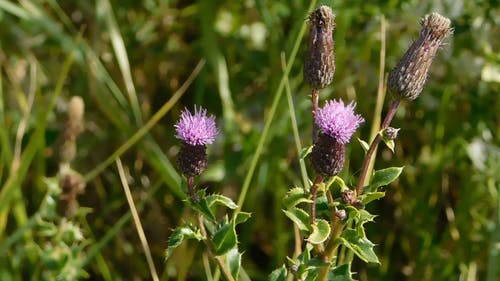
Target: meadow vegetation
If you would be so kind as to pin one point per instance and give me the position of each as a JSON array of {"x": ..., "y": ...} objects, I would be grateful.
[{"x": 68, "y": 196}]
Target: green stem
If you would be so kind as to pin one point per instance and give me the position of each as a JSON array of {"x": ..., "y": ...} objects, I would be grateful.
[
  {"x": 218, "y": 259},
  {"x": 314, "y": 192},
  {"x": 272, "y": 111},
  {"x": 374, "y": 144},
  {"x": 333, "y": 243}
]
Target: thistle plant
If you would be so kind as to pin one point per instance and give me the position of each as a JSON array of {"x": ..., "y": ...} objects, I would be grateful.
[
  {"x": 332, "y": 214},
  {"x": 195, "y": 131}
]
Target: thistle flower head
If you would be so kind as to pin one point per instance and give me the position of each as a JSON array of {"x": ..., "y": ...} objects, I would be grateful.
[
  {"x": 197, "y": 128},
  {"x": 338, "y": 120},
  {"x": 407, "y": 79}
]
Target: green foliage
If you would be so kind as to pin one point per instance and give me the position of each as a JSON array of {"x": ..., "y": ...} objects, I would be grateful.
[
  {"x": 180, "y": 234},
  {"x": 438, "y": 221}
]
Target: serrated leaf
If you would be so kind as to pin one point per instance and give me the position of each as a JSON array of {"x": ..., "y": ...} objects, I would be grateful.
[
  {"x": 224, "y": 239},
  {"x": 364, "y": 145},
  {"x": 341, "y": 273},
  {"x": 242, "y": 217},
  {"x": 180, "y": 234},
  {"x": 217, "y": 199},
  {"x": 305, "y": 151},
  {"x": 320, "y": 232},
  {"x": 336, "y": 185},
  {"x": 352, "y": 213},
  {"x": 278, "y": 274},
  {"x": 233, "y": 262},
  {"x": 296, "y": 196},
  {"x": 365, "y": 216},
  {"x": 370, "y": 196},
  {"x": 203, "y": 208},
  {"x": 311, "y": 274},
  {"x": 361, "y": 246},
  {"x": 384, "y": 177},
  {"x": 322, "y": 204},
  {"x": 299, "y": 217}
]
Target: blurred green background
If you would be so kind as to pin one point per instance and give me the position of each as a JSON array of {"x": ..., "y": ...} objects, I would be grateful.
[{"x": 440, "y": 221}]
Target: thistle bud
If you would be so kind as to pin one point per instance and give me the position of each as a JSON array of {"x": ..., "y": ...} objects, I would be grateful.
[
  {"x": 407, "y": 79},
  {"x": 349, "y": 198},
  {"x": 341, "y": 214},
  {"x": 337, "y": 124},
  {"x": 195, "y": 131},
  {"x": 391, "y": 133},
  {"x": 319, "y": 65}
]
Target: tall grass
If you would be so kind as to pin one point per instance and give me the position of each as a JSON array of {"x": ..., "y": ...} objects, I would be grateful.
[{"x": 138, "y": 63}]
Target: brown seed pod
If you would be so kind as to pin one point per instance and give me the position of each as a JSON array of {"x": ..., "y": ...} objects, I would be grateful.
[
  {"x": 319, "y": 65},
  {"x": 407, "y": 79}
]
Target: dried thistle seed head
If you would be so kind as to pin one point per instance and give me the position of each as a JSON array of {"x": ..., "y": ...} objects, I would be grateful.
[
  {"x": 192, "y": 159},
  {"x": 72, "y": 184},
  {"x": 73, "y": 127},
  {"x": 319, "y": 65},
  {"x": 407, "y": 79}
]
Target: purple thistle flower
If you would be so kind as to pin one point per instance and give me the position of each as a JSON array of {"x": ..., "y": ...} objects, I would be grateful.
[
  {"x": 338, "y": 121},
  {"x": 197, "y": 129}
]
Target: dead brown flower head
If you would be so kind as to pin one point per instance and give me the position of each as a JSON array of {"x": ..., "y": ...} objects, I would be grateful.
[
  {"x": 319, "y": 65},
  {"x": 407, "y": 79}
]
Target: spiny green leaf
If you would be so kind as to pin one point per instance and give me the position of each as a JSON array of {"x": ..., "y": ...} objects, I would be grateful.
[
  {"x": 242, "y": 217},
  {"x": 203, "y": 207},
  {"x": 320, "y": 232},
  {"x": 361, "y": 246},
  {"x": 299, "y": 217},
  {"x": 296, "y": 196},
  {"x": 278, "y": 274},
  {"x": 311, "y": 274},
  {"x": 233, "y": 261},
  {"x": 341, "y": 273},
  {"x": 384, "y": 177},
  {"x": 365, "y": 216},
  {"x": 322, "y": 204},
  {"x": 217, "y": 199},
  {"x": 224, "y": 239},
  {"x": 370, "y": 196},
  {"x": 336, "y": 185},
  {"x": 179, "y": 234}
]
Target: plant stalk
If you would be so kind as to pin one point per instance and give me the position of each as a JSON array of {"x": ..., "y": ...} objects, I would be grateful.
[
  {"x": 218, "y": 259},
  {"x": 374, "y": 144},
  {"x": 314, "y": 191}
]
